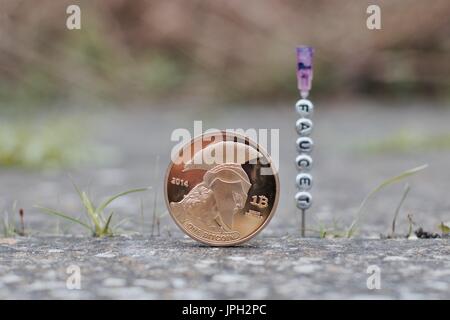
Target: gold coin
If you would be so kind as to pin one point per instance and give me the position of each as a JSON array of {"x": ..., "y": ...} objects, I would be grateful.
[{"x": 221, "y": 188}]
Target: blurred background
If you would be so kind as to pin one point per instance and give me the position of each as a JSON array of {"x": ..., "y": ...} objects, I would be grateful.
[
  {"x": 100, "y": 102},
  {"x": 223, "y": 50}
]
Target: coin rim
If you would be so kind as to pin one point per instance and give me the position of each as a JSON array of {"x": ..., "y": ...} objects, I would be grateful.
[{"x": 261, "y": 227}]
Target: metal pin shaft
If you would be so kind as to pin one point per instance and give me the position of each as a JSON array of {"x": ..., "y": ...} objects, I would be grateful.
[{"x": 303, "y": 222}]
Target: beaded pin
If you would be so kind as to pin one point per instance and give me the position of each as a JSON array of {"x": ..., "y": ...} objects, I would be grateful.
[{"x": 304, "y": 127}]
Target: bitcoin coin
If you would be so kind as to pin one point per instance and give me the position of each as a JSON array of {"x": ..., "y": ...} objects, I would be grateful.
[{"x": 221, "y": 188}]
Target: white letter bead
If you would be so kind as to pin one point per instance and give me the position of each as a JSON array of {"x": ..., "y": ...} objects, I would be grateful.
[
  {"x": 304, "y": 107},
  {"x": 303, "y": 162},
  {"x": 303, "y": 200},
  {"x": 304, "y": 144},
  {"x": 304, "y": 126},
  {"x": 304, "y": 181}
]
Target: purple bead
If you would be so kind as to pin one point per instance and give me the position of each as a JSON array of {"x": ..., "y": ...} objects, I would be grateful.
[{"x": 304, "y": 69}]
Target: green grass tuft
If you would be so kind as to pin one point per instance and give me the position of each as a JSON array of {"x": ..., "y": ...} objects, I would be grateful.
[{"x": 99, "y": 223}]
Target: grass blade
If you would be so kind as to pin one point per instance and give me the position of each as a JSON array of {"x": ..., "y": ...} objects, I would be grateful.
[
  {"x": 411, "y": 225},
  {"x": 5, "y": 225},
  {"x": 106, "y": 228},
  {"x": 102, "y": 207},
  {"x": 91, "y": 212},
  {"x": 87, "y": 203},
  {"x": 75, "y": 186},
  {"x": 62, "y": 215},
  {"x": 82, "y": 198},
  {"x": 142, "y": 216},
  {"x": 384, "y": 184},
  {"x": 155, "y": 198},
  {"x": 397, "y": 210},
  {"x": 445, "y": 228},
  {"x": 121, "y": 222}
]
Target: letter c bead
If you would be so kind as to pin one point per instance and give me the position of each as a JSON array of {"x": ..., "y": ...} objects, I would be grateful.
[{"x": 303, "y": 162}]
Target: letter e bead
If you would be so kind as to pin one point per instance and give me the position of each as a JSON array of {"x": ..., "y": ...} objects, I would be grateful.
[{"x": 304, "y": 181}]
